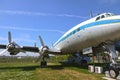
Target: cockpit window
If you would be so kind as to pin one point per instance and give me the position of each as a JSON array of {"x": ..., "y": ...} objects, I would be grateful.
[
  {"x": 102, "y": 16},
  {"x": 97, "y": 18},
  {"x": 108, "y": 15}
]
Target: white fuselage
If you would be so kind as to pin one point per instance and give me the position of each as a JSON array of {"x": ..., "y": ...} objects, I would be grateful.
[{"x": 90, "y": 33}]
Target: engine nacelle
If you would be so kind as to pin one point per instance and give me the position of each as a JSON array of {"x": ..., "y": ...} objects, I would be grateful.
[{"x": 14, "y": 51}]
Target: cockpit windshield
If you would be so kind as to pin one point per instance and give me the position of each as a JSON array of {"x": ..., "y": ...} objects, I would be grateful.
[
  {"x": 104, "y": 15},
  {"x": 109, "y": 14}
]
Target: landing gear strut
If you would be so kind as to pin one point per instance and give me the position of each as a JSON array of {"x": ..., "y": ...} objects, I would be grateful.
[
  {"x": 43, "y": 62},
  {"x": 113, "y": 67}
]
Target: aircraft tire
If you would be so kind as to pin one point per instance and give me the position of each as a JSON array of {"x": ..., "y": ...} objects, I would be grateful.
[{"x": 113, "y": 73}]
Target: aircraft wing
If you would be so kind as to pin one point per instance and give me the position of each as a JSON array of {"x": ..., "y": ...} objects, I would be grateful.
[
  {"x": 14, "y": 48},
  {"x": 2, "y": 46},
  {"x": 30, "y": 49},
  {"x": 37, "y": 50}
]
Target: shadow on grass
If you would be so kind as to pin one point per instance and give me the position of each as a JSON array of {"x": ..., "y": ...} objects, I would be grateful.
[
  {"x": 75, "y": 65},
  {"x": 24, "y": 68},
  {"x": 65, "y": 65},
  {"x": 54, "y": 67}
]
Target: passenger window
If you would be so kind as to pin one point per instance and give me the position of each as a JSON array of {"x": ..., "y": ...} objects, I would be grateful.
[
  {"x": 108, "y": 14},
  {"x": 97, "y": 18},
  {"x": 73, "y": 32},
  {"x": 78, "y": 29}
]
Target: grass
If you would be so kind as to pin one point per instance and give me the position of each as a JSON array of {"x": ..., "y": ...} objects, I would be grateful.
[
  {"x": 58, "y": 72},
  {"x": 26, "y": 69},
  {"x": 18, "y": 71},
  {"x": 54, "y": 71}
]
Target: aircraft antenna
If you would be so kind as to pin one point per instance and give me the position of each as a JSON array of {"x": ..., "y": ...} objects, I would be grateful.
[
  {"x": 34, "y": 44},
  {"x": 91, "y": 15}
]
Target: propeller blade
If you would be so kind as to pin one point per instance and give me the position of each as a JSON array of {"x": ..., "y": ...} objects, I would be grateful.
[
  {"x": 2, "y": 52},
  {"x": 9, "y": 37},
  {"x": 41, "y": 41}
]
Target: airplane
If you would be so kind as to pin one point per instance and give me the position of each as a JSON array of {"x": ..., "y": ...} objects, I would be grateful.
[{"x": 99, "y": 33}]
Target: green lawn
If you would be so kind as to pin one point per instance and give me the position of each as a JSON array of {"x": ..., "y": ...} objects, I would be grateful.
[
  {"x": 54, "y": 71},
  {"x": 18, "y": 71}
]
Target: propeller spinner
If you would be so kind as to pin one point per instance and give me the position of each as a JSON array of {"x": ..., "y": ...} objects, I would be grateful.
[{"x": 12, "y": 47}]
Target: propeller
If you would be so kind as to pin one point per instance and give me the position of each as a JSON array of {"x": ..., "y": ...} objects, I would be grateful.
[
  {"x": 34, "y": 44},
  {"x": 11, "y": 44},
  {"x": 2, "y": 52},
  {"x": 9, "y": 37},
  {"x": 43, "y": 51},
  {"x": 10, "y": 41},
  {"x": 41, "y": 41},
  {"x": 12, "y": 47}
]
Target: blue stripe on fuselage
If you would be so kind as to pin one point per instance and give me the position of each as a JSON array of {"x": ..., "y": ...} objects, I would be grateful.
[
  {"x": 99, "y": 23},
  {"x": 96, "y": 23}
]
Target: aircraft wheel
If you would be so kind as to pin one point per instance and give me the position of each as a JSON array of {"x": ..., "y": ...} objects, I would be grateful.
[{"x": 113, "y": 73}]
